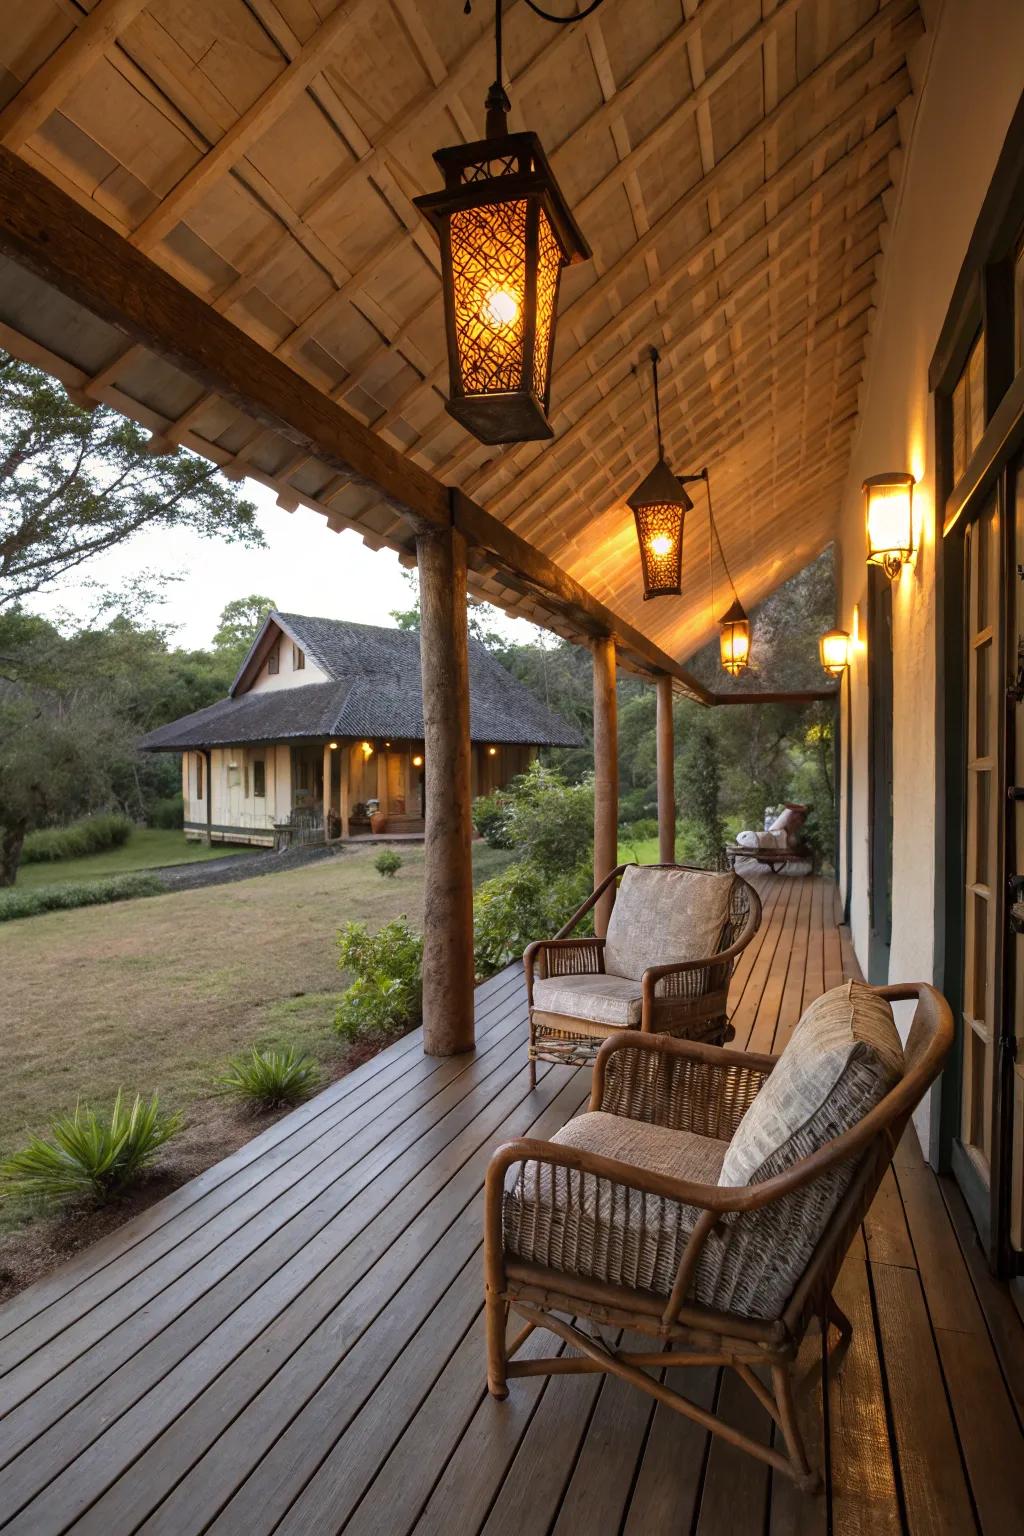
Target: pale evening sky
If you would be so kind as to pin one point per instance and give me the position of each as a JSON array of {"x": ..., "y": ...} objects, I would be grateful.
[{"x": 305, "y": 568}]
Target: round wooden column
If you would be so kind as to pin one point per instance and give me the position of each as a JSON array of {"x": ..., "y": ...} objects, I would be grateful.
[
  {"x": 666, "y": 774},
  {"x": 448, "y": 1021},
  {"x": 606, "y": 775}
]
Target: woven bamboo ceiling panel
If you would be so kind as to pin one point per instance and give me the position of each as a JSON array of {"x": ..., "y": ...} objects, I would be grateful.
[{"x": 732, "y": 163}]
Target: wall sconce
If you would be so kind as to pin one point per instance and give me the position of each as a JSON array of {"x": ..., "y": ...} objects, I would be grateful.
[
  {"x": 367, "y": 749},
  {"x": 492, "y": 751},
  {"x": 505, "y": 232},
  {"x": 735, "y": 639},
  {"x": 889, "y": 518},
  {"x": 834, "y": 650},
  {"x": 417, "y": 761},
  {"x": 333, "y": 746}
]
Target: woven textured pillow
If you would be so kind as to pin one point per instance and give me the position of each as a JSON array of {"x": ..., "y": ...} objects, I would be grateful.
[
  {"x": 663, "y": 916},
  {"x": 842, "y": 1058}
]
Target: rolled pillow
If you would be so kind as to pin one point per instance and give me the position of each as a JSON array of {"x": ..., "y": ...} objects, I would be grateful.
[{"x": 748, "y": 839}]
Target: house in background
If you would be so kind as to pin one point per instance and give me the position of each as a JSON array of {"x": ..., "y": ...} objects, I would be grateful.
[{"x": 325, "y": 719}]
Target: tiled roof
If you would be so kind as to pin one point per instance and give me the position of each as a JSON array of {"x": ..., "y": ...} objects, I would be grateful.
[{"x": 374, "y": 691}]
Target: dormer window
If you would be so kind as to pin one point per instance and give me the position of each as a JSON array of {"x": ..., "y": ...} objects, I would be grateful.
[
  {"x": 274, "y": 662},
  {"x": 298, "y": 658}
]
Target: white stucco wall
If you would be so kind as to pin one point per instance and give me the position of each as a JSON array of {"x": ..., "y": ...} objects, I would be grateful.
[
  {"x": 973, "y": 80},
  {"x": 286, "y": 676},
  {"x": 230, "y": 806}
]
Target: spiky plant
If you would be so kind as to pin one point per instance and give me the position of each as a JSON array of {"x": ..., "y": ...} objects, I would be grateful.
[
  {"x": 270, "y": 1079},
  {"x": 89, "y": 1154}
]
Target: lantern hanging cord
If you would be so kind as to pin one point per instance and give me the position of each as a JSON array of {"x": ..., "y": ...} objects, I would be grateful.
[
  {"x": 715, "y": 538},
  {"x": 559, "y": 21},
  {"x": 655, "y": 360}
]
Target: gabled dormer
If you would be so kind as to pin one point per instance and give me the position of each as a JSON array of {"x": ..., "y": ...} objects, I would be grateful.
[{"x": 278, "y": 658}]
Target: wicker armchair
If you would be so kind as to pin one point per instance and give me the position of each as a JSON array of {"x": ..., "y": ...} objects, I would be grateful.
[
  {"x": 682, "y": 997},
  {"x": 716, "y": 1273}
]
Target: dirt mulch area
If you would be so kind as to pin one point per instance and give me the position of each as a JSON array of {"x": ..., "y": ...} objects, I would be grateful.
[{"x": 216, "y": 1127}]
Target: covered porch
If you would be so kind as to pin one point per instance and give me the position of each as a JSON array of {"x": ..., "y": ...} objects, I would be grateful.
[{"x": 293, "y": 1342}]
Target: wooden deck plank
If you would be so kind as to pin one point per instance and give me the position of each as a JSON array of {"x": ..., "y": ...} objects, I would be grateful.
[{"x": 292, "y": 1343}]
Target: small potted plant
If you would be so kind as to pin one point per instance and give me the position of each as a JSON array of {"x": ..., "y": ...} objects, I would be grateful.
[{"x": 378, "y": 821}]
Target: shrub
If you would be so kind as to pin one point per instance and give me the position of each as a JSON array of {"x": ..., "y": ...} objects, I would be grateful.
[
  {"x": 54, "y": 898},
  {"x": 388, "y": 988},
  {"x": 521, "y": 904},
  {"x": 167, "y": 813},
  {"x": 89, "y": 1155},
  {"x": 489, "y": 819},
  {"x": 549, "y": 821},
  {"x": 93, "y": 835},
  {"x": 387, "y": 863},
  {"x": 268, "y": 1079}
]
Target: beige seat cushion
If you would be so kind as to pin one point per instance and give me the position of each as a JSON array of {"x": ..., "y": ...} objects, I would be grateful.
[
  {"x": 586, "y": 1226},
  {"x": 612, "y": 1000},
  {"x": 663, "y": 916}
]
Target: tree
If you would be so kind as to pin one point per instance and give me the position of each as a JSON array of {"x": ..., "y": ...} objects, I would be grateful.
[
  {"x": 74, "y": 483},
  {"x": 240, "y": 622}
]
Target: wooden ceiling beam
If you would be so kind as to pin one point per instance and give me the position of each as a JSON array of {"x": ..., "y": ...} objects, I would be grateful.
[
  {"x": 64, "y": 69},
  {"x": 51, "y": 235}
]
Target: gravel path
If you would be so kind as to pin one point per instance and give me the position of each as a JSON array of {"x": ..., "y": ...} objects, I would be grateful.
[{"x": 191, "y": 877}]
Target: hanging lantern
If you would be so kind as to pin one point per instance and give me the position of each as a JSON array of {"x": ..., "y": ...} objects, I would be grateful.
[
  {"x": 834, "y": 649},
  {"x": 659, "y": 504},
  {"x": 735, "y": 639},
  {"x": 505, "y": 232},
  {"x": 889, "y": 516}
]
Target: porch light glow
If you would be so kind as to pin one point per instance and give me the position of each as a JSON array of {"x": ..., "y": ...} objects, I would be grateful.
[
  {"x": 735, "y": 639},
  {"x": 367, "y": 749},
  {"x": 417, "y": 761},
  {"x": 505, "y": 232},
  {"x": 333, "y": 746},
  {"x": 659, "y": 505},
  {"x": 889, "y": 515},
  {"x": 492, "y": 751},
  {"x": 834, "y": 649}
]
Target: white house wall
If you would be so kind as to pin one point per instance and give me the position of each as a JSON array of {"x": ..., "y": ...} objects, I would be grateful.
[
  {"x": 232, "y": 810},
  {"x": 973, "y": 83},
  {"x": 287, "y": 676}
]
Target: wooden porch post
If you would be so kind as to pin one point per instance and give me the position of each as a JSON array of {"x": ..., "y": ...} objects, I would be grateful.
[
  {"x": 344, "y": 770},
  {"x": 327, "y": 792},
  {"x": 448, "y": 972},
  {"x": 606, "y": 775},
  {"x": 208, "y": 755},
  {"x": 666, "y": 774}
]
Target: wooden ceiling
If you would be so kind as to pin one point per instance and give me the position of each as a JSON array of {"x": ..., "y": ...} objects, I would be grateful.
[{"x": 732, "y": 163}]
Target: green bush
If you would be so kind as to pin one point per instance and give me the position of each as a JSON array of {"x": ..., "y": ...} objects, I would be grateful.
[
  {"x": 387, "y": 863},
  {"x": 550, "y": 822},
  {"x": 55, "y": 898},
  {"x": 90, "y": 1155},
  {"x": 387, "y": 991},
  {"x": 521, "y": 904},
  {"x": 168, "y": 813},
  {"x": 269, "y": 1079},
  {"x": 639, "y": 831},
  {"x": 489, "y": 819},
  {"x": 93, "y": 835}
]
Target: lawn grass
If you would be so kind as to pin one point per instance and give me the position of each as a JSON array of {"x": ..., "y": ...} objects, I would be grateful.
[
  {"x": 147, "y": 848},
  {"x": 156, "y": 994},
  {"x": 638, "y": 850}
]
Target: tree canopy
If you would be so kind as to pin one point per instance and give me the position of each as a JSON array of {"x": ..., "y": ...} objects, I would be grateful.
[{"x": 75, "y": 483}]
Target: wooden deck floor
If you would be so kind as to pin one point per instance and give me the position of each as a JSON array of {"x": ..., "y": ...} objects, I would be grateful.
[{"x": 292, "y": 1342}]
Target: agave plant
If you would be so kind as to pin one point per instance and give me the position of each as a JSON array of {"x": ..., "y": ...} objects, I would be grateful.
[
  {"x": 269, "y": 1079},
  {"x": 89, "y": 1154}
]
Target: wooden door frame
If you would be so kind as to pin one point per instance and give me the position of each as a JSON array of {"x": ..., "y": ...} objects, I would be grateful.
[
  {"x": 880, "y": 824},
  {"x": 983, "y": 299}
]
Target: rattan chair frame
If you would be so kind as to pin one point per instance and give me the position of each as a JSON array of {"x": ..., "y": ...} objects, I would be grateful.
[
  {"x": 687, "y": 998},
  {"x": 718, "y": 1086}
]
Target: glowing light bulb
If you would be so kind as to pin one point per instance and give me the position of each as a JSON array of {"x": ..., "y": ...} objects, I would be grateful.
[
  {"x": 500, "y": 308},
  {"x": 661, "y": 544}
]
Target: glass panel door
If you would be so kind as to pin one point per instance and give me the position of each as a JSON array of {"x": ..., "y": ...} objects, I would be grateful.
[{"x": 983, "y": 907}]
